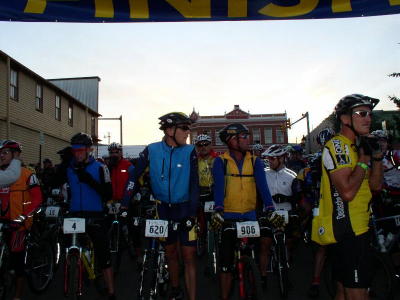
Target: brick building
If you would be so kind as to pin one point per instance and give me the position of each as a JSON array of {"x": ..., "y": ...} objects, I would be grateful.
[
  {"x": 42, "y": 114},
  {"x": 266, "y": 129}
]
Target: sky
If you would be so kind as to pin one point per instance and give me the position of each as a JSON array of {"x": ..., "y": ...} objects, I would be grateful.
[{"x": 149, "y": 69}]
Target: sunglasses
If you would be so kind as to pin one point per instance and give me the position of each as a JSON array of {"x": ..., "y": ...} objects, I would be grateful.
[
  {"x": 79, "y": 150},
  {"x": 5, "y": 152},
  {"x": 184, "y": 127},
  {"x": 114, "y": 152},
  {"x": 363, "y": 113},
  {"x": 202, "y": 144}
]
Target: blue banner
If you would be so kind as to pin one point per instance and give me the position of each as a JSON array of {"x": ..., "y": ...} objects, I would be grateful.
[{"x": 189, "y": 10}]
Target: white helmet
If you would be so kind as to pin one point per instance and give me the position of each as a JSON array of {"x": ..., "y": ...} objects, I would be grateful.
[
  {"x": 275, "y": 151},
  {"x": 380, "y": 134},
  {"x": 202, "y": 138},
  {"x": 257, "y": 147}
]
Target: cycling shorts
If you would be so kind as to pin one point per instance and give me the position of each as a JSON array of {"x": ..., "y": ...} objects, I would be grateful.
[
  {"x": 185, "y": 238},
  {"x": 352, "y": 261}
]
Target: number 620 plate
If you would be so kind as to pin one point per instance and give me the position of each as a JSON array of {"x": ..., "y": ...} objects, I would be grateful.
[{"x": 156, "y": 228}]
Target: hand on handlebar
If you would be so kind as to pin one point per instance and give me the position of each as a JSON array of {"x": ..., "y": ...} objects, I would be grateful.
[
  {"x": 277, "y": 221},
  {"x": 217, "y": 220}
]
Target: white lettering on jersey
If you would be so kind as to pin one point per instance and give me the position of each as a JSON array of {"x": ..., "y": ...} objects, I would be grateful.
[{"x": 327, "y": 160}]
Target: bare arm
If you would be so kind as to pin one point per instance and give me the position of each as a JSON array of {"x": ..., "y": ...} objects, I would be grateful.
[{"x": 376, "y": 176}]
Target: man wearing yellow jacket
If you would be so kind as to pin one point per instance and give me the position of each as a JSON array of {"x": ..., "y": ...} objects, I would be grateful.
[{"x": 238, "y": 175}]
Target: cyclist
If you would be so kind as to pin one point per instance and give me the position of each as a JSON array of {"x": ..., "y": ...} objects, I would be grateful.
[
  {"x": 238, "y": 175},
  {"x": 18, "y": 202},
  {"x": 352, "y": 167},
  {"x": 12, "y": 172},
  {"x": 309, "y": 182},
  {"x": 296, "y": 162},
  {"x": 257, "y": 149},
  {"x": 281, "y": 182},
  {"x": 175, "y": 183},
  {"x": 206, "y": 157},
  {"x": 90, "y": 186}
]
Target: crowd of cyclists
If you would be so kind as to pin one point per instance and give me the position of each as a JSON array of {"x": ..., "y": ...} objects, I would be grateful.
[{"x": 331, "y": 192}]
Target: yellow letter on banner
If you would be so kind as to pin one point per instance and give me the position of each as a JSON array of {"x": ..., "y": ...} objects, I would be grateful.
[
  {"x": 104, "y": 9},
  {"x": 193, "y": 8},
  {"x": 394, "y": 2},
  {"x": 237, "y": 8},
  {"x": 341, "y": 6},
  {"x": 304, "y": 7},
  {"x": 35, "y": 6},
  {"x": 139, "y": 9}
]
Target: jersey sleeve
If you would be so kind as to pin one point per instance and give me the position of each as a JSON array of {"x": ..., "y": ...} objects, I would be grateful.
[
  {"x": 336, "y": 155},
  {"x": 262, "y": 186},
  {"x": 219, "y": 183}
]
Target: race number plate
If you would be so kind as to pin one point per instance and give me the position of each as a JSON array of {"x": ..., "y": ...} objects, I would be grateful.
[
  {"x": 248, "y": 229},
  {"x": 209, "y": 206},
  {"x": 113, "y": 209},
  {"x": 397, "y": 220},
  {"x": 156, "y": 228},
  {"x": 74, "y": 225},
  {"x": 284, "y": 214},
  {"x": 52, "y": 211}
]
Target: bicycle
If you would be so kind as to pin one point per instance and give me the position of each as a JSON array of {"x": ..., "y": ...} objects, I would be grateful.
[
  {"x": 247, "y": 273},
  {"x": 279, "y": 261},
  {"x": 153, "y": 274},
  {"x": 80, "y": 258}
]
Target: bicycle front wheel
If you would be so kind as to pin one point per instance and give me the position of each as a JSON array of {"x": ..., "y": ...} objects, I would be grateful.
[
  {"x": 72, "y": 276},
  {"x": 251, "y": 280},
  {"x": 147, "y": 289},
  {"x": 39, "y": 266},
  {"x": 282, "y": 268}
]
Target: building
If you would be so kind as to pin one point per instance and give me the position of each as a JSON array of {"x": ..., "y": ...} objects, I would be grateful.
[
  {"x": 44, "y": 114},
  {"x": 266, "y": 129}
]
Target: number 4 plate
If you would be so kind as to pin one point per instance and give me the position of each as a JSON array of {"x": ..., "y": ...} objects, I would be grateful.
[
  {"x": 74, "y": 225},
  {"x": 248, "y": 229},
  {"x": 156, "y": 228}
]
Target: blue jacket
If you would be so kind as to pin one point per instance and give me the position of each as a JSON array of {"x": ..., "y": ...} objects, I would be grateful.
[
  {"x": 83, "y": 196},
  {"x": 173, "y": 177}
]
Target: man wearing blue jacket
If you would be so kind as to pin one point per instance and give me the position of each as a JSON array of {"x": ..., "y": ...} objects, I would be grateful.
[
  {"x": 175, "y": 183},
  {"x": 90, "y": 186}
]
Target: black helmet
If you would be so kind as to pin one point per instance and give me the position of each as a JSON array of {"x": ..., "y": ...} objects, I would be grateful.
[
  {"x": 114, "y": 146},
  {"x": 172, "y": 119},
  {"x": 231, "y": 130},
  {"x": 325, "y": 135},
  {"x": 82, "y": 138},
  {"x": 349, "y": 102}
]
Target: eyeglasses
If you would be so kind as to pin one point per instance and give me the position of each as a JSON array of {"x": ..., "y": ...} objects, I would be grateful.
[
  {"x": 183, "y": 127},
  {"x": 5, "y": 152},
  {"x": 363, "y": 113},
  {"x": 202, "y": 145}
]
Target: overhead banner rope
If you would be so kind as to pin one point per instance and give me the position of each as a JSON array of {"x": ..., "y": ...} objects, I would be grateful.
[{"x": 189, "y": 10}]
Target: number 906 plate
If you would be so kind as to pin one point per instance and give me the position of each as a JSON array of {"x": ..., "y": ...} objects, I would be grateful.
[
  {"x": 248, "y": 229},
  {"x": 156, "y": 228}
]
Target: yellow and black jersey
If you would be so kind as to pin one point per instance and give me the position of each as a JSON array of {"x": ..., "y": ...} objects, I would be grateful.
[{"x": 337, "y": 218}]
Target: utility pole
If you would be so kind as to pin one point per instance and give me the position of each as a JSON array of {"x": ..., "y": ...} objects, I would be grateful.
[
  {"x": 307, "y": 116},
  {"x": 107, "y": 136}
]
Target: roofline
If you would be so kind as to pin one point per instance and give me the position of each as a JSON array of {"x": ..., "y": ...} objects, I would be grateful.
[
  {"x": 75, "y": 78},
  {"x": 26, "y": 69}
]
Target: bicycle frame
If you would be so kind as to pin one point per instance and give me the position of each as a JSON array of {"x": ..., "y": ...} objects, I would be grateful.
[{"x": 377, "y": 231}]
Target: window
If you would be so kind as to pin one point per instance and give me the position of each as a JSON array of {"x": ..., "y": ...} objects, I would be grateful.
[
  {"x": 39, "y": 98},
  {"x": 256, "y": 136},
  {"x": 218, "y": 141},
  {"x": 58, "y": 108},
  {"x": 268, "y": 135},
  {"x": 93, "y": 125},
  {"x": 70, "y": 114},
  {"x": 279, "y": 136},
  {"x": 14, "y": 85}
]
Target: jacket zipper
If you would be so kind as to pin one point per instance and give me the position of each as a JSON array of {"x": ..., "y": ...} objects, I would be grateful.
[{"x": 169, "y": 176}]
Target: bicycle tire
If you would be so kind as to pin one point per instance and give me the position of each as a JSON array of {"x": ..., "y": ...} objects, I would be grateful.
[
  {"x": 147, "y": 289},
  {"x": 212, "y": 256},
  {"x": 72, "y": 276},
  {"x": 5, "y": 277},
  {"x": 282, "y": 268},
  {"x": 251, "y": 280},
  {"x": 39, "y": 266}
]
